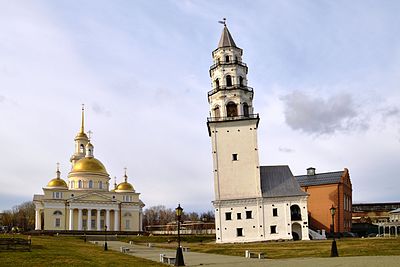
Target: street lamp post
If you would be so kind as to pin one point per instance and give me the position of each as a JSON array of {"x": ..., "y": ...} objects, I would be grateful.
[
  {"x": 334, "y": 251},
  {"x": 179, "y": 255},
  {"x": 105, "y": 238}
]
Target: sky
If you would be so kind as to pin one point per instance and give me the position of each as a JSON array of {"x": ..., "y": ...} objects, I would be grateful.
[{"x": 326, "y": 77}]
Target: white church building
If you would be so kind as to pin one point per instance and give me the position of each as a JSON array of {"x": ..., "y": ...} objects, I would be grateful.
[
  {"x": 85, "y": 202},
  {"x": 252, "y": 202}
]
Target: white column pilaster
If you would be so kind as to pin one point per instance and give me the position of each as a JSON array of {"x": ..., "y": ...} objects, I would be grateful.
[
  {"x": 140, "y": 220},
  {"x": 38, "y": 221},
  {"x": 89, "y": 220},
  {"x": 116, "y": 220},
  {"x": 80, "y": 219},
  {"x": 71, "y": 219},
  {"x": 108, "y": 219},
  {"x": 98, "y": 220}
]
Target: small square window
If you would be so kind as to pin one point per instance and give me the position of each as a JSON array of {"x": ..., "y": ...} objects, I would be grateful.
[
  {"x": 239, "y": 231},
  {"x": 234, "y": 157},
  {"x": 239, "y": 216},
  {"x": 228, "y": 216},
  {"x": 275, "y": 212},
  {"x": 248, "y": 214},
  {"x": 273, "y": 229}
]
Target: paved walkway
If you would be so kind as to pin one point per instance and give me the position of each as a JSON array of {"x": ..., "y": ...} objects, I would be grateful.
[{"x": 205, "y": 259}]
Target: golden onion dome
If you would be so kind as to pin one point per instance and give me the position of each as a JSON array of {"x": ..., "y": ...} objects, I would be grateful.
[
  {"x": 124, "y": 186},
  {"x": 89, "y": 164},
  {"x": 57, "y": 182}
]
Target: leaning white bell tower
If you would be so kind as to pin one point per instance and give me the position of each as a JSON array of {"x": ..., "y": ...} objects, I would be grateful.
[{"x": 232, "y": 124}]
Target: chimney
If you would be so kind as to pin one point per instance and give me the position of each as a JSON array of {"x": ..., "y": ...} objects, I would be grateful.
[{"x": 311, "y": 171}]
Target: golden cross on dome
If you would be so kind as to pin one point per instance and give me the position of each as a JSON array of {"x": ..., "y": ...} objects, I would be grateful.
[{"x": 126, "y": 176}]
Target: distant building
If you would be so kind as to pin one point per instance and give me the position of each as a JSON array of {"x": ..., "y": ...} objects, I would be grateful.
[
  {"x": 327, "y": 189},
  {"x": 373, "y": 212},
  {"x": 384, "y": 216},
  {"x": 85, "y": 202},
  {"x": 252, "y": 202}
]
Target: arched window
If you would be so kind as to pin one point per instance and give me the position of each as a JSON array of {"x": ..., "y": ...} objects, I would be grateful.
[
  {"x": 245, "y": 110},
  {"x": 79, "y": 184},
  {"x": 72, "y": 184},
  {"x": 217, "y": 113},
  {"x": 226, "y": 58},
  {"x": 90, "y": 184},
  {"x": 57, "y": 212},
  {"x": 228, "y": 80},
  {"x": 231, "y": 109},
  {"x": 217, "y": 83},
  {"x": 82, "y": 148},
  {"x": 236, "y": 59},
  {"x": 295, "y": 213},
  {"x": 240, "y": 80},
  {"x": 100, "y": 185}
]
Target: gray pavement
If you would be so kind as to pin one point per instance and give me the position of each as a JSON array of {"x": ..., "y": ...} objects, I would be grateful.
[{"x": 205, "y": 259}]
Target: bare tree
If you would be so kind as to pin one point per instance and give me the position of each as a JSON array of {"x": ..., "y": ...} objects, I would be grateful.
[{"x": 22, "y": 216}]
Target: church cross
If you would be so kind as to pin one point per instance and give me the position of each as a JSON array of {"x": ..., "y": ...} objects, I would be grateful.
[{"x": 90, "y": 133}]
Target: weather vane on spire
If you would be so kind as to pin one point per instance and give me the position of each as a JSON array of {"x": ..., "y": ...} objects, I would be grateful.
[{"x": 223, "y": 21}]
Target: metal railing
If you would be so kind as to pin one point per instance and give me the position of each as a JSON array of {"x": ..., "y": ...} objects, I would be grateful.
[
  {"x": 228, "y": 63},
  {"x": 233, "y": 87},
  {"x": 233, "y": 118}
]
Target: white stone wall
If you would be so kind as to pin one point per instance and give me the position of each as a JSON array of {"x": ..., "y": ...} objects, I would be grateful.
[{"x": 235, "y": 178}]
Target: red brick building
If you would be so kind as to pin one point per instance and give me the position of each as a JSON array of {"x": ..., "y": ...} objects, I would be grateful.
[{"x": 327, "y": 189}]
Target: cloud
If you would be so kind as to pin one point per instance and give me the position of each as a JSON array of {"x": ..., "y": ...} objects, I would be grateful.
[
  {"x": 285, "y": 149},
  {"x": 322, "y": 116},
  {"x": 391, "y": 112},
  {"x": 100, "y": 110}
]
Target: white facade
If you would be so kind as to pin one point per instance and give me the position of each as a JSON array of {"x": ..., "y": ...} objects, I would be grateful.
[
  {"x": 258, "y": 221},
  {"x": 246, "y": 206}
]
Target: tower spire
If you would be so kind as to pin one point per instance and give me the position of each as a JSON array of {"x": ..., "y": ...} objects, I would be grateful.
[
  {"x": 226, "y": 37},
  {"x": 83, "y": 119}
]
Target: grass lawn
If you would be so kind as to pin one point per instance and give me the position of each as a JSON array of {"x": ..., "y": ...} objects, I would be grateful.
[
  {"x": 287, "y": 249},
  {"x": 68, "y": 251}
]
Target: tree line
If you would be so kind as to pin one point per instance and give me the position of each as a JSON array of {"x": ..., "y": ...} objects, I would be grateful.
[
  {"x": 160, "y": 215},
  {"x": 23, "y": 216}
]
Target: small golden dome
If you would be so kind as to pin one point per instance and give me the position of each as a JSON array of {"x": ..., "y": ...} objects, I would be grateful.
[
  {"x": 125, "y": 186},
  {"x": 89, "y": 164},
  {"x": 57, "y": 182},
  {"x": 81, "y": 135}
]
